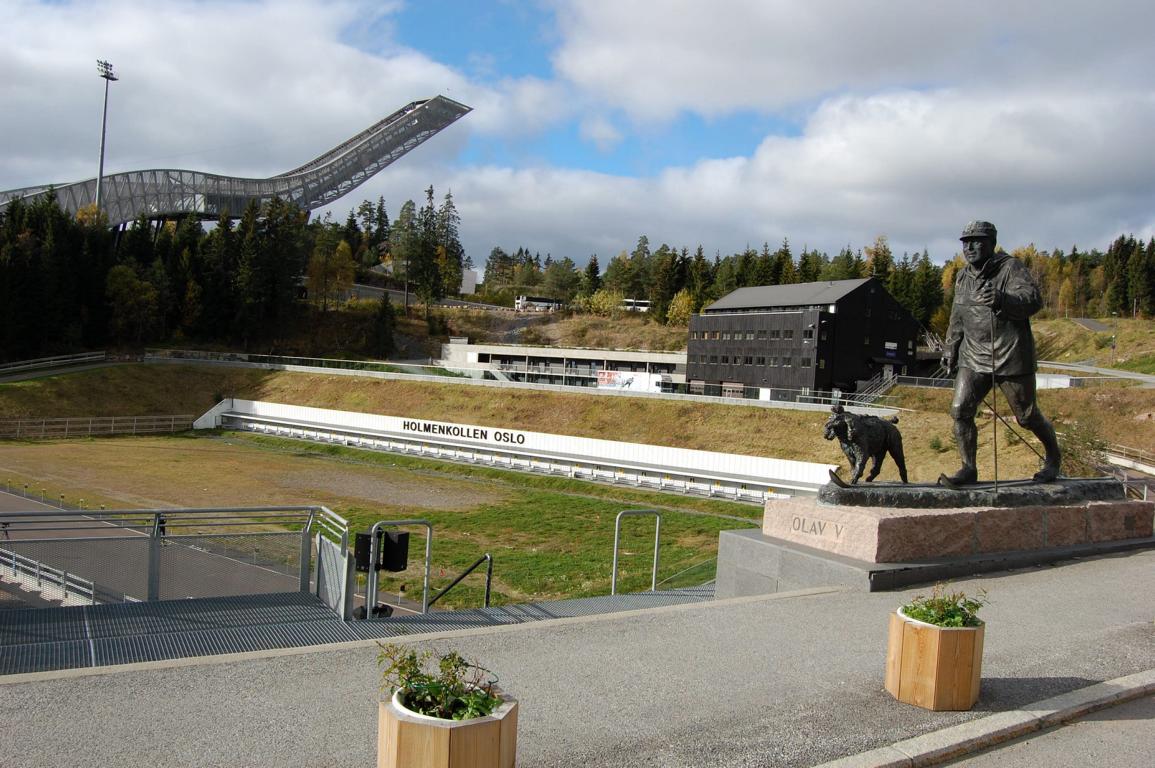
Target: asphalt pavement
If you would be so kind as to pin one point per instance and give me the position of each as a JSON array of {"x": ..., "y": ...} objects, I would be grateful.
[
  {"x": 1122, "y": 736},
  {"x": 789, "y": 680}
]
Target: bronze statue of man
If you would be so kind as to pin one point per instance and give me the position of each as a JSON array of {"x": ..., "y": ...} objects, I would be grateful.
[{"x": 989, "y": 342}]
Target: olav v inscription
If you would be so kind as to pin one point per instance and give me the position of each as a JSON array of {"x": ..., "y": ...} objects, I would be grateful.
[{"x": 815, "y": 527}]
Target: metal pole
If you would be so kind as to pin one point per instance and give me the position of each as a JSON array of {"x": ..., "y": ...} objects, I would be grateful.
[
  {"x": 374, "y": 553},
  {"x": 617, "y": 538},
  {"x": 105, "y": 70},
  {"x": 994, "y": 404},
  {"x": 306, "y": 555}
]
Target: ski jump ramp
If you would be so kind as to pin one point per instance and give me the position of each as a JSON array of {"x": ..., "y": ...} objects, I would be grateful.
[{"x": 174, "y": 193}]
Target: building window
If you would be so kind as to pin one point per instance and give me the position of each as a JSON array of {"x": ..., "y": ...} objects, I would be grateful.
[
  {"x": 866, "y": 341},
  {"x": 760, "y": 360},
  {"x": 714, "y": 335},
  {"x": 804, "y": 362},
  {"x": 693, "y": 334},
  {"x": 761, "y": 335},
  {"x": 821, "y": 364},
  {"x": 822, "y": 337},
  {"x": 713, "y": 359},
  {"x": 725, "y": 359},
  {"x": 775, "y": 334},
  {"x": 749, "y": 359},
  {"x": 733, "y": 389},
  {"x": 808, "y": 333},
  {"x": 788, "y": 333},
  {"x": 749, "y": 335},
  {"x": 725, "y": 335},
  {"x": 786, "y": 362},
  {"x": 774, "y": 361}
]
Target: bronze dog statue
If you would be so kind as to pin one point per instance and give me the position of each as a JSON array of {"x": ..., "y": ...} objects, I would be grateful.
[{"x": 866, "y": 437}]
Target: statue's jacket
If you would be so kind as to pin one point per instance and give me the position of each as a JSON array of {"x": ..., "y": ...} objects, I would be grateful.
[{"x": 973, "y": 337}]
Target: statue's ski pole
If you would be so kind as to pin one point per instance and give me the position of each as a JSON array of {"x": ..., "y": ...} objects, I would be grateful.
[{"x": 994, "y": 408}]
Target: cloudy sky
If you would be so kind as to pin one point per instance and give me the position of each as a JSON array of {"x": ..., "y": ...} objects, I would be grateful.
[{"x": 724, "y": 123}]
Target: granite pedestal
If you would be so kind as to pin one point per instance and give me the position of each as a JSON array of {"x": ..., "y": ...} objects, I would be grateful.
[{"x": 883, "y": 536}]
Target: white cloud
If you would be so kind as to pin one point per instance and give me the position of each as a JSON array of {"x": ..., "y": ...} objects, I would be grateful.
[
  {"x": 656, "y": 59},
  {"x": 600, "y": 131},
  {"x": 912, "y": 118},
  {"x": 912, "y": 166},
  {"x": 249, "y": 88}
]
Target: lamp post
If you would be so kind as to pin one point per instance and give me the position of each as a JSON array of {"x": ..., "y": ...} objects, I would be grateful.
[{"x": 104, "y": 69}]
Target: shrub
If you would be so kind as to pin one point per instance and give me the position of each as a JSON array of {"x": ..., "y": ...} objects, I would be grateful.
[
  {"x": 946, "y": 609},
  {"x": 459, "y": 690}
]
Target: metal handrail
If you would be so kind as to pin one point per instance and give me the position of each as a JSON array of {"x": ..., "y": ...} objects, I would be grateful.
[
  {"x": 488, "y": 579},
  {"x": 617, "y": 538},
  {"x": 51, "y": 362},
  {"x": 375, "y": 553}
]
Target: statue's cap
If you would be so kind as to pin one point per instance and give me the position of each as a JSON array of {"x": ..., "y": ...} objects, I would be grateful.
[{"x": 978, "y": 229}]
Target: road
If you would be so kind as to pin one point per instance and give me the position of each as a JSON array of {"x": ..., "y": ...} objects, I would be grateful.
[{"x": 1145, "y": 379}]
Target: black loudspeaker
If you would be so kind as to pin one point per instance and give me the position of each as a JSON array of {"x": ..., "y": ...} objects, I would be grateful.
[
  {"x": 394, "y": 551},
  {"x": 361, "y": 551}
]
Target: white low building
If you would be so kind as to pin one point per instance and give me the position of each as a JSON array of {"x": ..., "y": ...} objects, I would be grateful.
[{"x": 625, "y": 370}]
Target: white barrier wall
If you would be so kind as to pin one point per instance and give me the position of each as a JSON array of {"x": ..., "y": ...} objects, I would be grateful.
[{"x": 698, "y": 465}]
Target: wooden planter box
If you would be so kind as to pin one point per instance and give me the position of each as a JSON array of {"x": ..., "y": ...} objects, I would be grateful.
[
  {"x": 406, "y": 739},
  {"x": 936, "y": 668}
]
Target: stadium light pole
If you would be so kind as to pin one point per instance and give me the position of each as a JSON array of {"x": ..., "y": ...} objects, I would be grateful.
[{"x": 104, "y": 69}]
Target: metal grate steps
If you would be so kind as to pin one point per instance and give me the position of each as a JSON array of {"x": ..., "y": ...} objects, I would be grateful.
[{"x": 40, "y": 640}]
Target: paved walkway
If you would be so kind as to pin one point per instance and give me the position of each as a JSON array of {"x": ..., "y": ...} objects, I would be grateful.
[
  {"x": 788, "y": 680},
  {"x": 1120, "y": 737}
]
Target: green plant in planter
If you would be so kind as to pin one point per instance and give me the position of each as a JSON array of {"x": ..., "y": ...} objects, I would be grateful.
[
  {"x": 458, "y": 690},
  {"x": 946, "y": 609}
]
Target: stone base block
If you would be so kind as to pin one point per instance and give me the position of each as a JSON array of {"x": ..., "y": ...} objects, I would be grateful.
[
  {"x": 890, "y": 535},
  {"x": 750, "y": 563}
]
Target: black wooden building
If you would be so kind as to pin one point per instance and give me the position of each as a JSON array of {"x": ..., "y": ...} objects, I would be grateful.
[{"x": 807, "y": 336}]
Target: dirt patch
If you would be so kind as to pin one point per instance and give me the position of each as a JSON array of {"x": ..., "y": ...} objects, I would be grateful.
[
  {"x": 374, "y": 488},
  {"x": 158, "y": 472}
]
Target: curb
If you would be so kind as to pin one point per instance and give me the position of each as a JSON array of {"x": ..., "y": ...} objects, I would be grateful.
[{"x": 949, "y": 743}]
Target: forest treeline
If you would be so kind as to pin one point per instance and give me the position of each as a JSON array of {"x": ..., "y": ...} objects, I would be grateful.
[
  {"x": 677, "y": 284},
  {"x": 71, "y": 283}
]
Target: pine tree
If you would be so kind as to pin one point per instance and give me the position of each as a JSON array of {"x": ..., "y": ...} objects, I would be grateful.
[
  {"x": 424, "y": 270},
  {"x": 879, "y": 260},
  {"x": 449, "y": 241},
  {"x": 381, "y": 341},
  {"x": 700, "y": 277},
  {"x": 592, "y": 277},
  {"x": 403, "y": 244}
]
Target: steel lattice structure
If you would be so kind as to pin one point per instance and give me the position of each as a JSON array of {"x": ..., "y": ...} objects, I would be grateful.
[{"x": 170, "y": 193}]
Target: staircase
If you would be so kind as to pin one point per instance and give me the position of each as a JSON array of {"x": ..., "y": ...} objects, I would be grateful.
[{"x": 39, "y": 640}]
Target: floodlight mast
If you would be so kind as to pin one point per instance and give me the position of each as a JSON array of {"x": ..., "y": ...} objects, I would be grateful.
[{"x": 104, "y": 69}]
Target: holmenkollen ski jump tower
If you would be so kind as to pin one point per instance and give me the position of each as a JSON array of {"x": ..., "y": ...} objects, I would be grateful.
[{"x": 172, "y": 193}]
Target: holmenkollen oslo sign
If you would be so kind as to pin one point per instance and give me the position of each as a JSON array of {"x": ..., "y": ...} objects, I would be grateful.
[{"x": 678, "y": 469}]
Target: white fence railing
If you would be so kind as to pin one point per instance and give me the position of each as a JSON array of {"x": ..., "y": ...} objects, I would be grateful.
[
  {"x": 60, "y": 361},
  {"x": 51, "y": 583}
]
